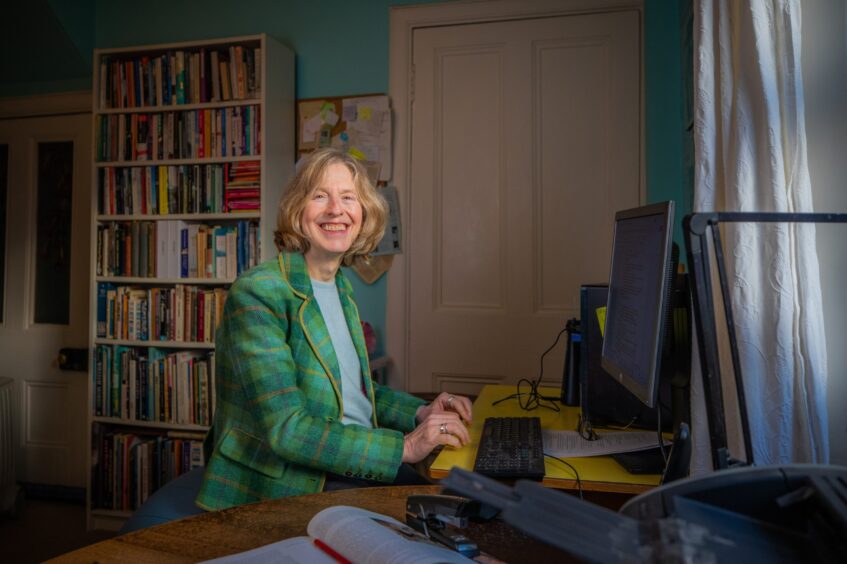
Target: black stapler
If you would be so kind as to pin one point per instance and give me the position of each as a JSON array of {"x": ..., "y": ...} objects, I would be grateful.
[{"x": 438, "y": 516}]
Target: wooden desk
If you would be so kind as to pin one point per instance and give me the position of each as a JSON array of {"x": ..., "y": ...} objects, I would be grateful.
[
  {"x": 237, "y": 529},
  {"x": 598, "y": 473}
]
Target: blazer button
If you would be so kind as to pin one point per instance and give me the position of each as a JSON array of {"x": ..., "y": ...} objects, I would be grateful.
[
  {"x": 348, "y": 473},
  {"x": 368, "y": 476}
]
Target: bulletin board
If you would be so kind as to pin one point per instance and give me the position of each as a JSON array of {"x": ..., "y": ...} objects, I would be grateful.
[{"x": 360, "y": 125}]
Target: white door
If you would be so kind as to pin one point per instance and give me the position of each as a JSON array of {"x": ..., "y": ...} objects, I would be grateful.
[
  {"x": 45, "y": 291},
  {"x": 525, "y": 140}
]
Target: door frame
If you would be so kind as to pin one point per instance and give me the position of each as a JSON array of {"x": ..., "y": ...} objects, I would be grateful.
[
  {"x": 46, "y": 106},
  {"x": 403, "y": 21},
  {"x": 63, "y": 103}
]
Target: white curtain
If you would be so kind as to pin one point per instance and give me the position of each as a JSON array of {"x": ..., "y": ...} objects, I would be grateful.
[{"x": 750, "y": 155}]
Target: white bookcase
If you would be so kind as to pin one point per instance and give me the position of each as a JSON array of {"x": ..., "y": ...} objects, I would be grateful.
[{"x": 193, "y": 143}]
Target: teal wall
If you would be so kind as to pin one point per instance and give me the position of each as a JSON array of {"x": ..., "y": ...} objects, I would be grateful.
[
  {"x": 341, "y": 47},
  {"x": 666, "y": 140}
]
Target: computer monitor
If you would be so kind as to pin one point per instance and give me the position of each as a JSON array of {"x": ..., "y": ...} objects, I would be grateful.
[{"x": 640, "y": 281}]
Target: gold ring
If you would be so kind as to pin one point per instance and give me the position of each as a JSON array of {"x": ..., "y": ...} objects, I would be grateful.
[
  {"x": 443, "y": 428},
  {"x": 450, "y": 400}
]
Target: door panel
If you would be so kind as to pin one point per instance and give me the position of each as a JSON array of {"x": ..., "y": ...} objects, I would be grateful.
[
  {"x": 526, "y": 139},
  {"x": 51, "y": 404},
  {"x": 468, "y": 245}
]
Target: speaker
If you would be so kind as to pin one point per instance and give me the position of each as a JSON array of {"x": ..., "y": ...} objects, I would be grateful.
[
  {"x": 570, "y": 373},
  {"x": 605, "y": 402}
]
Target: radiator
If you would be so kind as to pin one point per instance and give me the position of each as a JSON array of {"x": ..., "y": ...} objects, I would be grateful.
[{"x": 8, "y": 483}]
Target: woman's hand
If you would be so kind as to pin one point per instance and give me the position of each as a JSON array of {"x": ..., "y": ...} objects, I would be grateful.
[
  {"x": 446, "y": 403},
  {"x": 443, "y": 428}
]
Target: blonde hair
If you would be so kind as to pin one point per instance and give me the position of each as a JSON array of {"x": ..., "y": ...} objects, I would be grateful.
[{"x": 309, "y": 173}]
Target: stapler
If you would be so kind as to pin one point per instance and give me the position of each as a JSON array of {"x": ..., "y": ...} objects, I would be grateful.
[{"x": 437, "y": 516}]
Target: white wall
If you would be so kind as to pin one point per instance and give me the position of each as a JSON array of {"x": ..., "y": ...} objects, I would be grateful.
[{"x": 824, "y": 52}]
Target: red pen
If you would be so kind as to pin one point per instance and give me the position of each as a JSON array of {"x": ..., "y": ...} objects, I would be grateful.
[{"x": 326, "y": 548}]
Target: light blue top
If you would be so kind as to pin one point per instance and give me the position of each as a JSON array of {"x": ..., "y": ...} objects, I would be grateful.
[{"x": 357, "y": 408}]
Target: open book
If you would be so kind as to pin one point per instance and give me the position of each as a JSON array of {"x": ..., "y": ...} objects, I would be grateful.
[{"x": 349, "y": 534}]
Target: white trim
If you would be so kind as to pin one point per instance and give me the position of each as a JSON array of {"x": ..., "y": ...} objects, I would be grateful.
[
  {"x": 254, "y": 40},
  {"x": 403, "y": 20},
  {"x": 62, "y": 103}
]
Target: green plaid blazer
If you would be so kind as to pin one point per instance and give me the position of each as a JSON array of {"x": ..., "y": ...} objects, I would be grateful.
[{"x": 277, "y": 429}]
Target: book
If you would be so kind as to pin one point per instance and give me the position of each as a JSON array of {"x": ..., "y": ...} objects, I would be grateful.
[
  {"x": 350, "y": 534},
  {"x": 216, "y": 87},
  {"x": 103, "y": 289},
  {"x": 180, "y": 77}
]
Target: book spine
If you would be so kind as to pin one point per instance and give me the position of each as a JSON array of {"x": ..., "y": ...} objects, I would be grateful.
[
  {"x": 180, "y": 77},
  {"x": 216, "y": 73},
  {"x": 183, "y": 273},
  {"x": 200, "y": 319},
  {"x": 102, "y": 292},
  {"x": 97, "y": 400}
]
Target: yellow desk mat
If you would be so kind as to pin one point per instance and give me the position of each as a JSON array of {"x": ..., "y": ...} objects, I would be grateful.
[{"x": 597, "y": 473}]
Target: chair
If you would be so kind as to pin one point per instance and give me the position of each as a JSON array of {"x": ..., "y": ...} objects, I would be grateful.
[{"x": 172, "y": 501}]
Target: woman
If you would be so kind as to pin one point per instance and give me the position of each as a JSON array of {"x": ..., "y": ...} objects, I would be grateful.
[{"x": 297, "y": 411}]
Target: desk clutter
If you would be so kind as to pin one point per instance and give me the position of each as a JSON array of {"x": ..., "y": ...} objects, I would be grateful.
[
  {"x": 587, "y": 473},
  {"x": 774, "y": 514},
  {"x": 787, "y": 513}
]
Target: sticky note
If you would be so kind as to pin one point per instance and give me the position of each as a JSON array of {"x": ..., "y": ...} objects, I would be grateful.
[
  {"x": 601, "y": 319},
  {"x": 331, "y": 118},
  {"x": 364, "y": 112},
  {"x": 357, "y": 153}
]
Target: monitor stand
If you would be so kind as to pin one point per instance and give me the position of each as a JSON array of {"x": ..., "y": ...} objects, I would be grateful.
[
  {"x": 648, "y": 461},
  {"x": 653, "y": 462}
]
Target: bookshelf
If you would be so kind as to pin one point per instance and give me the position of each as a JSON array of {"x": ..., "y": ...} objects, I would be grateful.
[{"x": 193, "y": 143}]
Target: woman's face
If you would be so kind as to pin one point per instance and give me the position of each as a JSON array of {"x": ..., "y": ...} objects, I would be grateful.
[{"x": 332, "y": 218}]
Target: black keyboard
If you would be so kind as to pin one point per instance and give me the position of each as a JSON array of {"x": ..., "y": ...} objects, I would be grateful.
[{"x": 511, "y": 447}]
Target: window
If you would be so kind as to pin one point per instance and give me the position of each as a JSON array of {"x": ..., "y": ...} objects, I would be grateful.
[{"x": 53, "y": 236}]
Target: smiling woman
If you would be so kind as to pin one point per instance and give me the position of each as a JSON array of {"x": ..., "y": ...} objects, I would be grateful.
[
  {"x": 330, "y": 213},
  {"x": 297, "y": 411}
]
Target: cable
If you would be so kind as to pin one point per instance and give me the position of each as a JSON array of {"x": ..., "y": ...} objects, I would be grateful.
[
  {"x": 531, "y": 399},
  {"x": 569, "y": 465},
  {"x": 659, "y": 432},
  {"x": 624, "y": 427}
]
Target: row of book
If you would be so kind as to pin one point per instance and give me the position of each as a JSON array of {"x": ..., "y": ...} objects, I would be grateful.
[
  {"x": 181, "y": 313},
  {"x": 130, "y": 467},
  {"x": 149, "y": 384},
  {"x": 164, "y": 190},
  {"x": 175, "y": 249},
  {"x": 189, "y": 134},
  {"x": 181, "y": 77}
]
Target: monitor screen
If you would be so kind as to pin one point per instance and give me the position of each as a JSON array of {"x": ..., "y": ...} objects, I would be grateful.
[{"x": 639, "y": 288}]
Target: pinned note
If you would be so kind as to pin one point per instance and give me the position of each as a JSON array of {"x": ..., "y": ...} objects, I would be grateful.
[
  {"x": 601, "y": 319},
  {"x": 357, "y": 153},
  {"x": 364, "y": 112}
]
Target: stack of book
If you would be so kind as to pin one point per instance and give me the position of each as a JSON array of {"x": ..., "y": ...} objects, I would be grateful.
[
  {"x": 188, "y": 134},
  {"x": 139, "y": 384},
  {"x": 161, "y": 190},
  {"x": 174, "y": 249},
  {"x": 181, "y": 77},
  {"x": 243, "y": 188},
  {"x": 181, "y": 313},
  {"x": 130, "y": 466}
]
